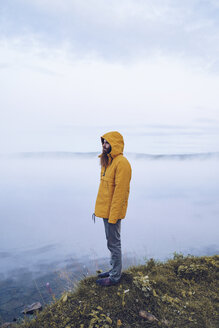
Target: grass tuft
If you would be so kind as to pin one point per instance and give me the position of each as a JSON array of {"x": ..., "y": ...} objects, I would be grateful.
[{"x": 182, "y": 292}]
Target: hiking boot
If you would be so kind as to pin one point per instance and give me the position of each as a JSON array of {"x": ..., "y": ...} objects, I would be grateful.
[
  {"x": 106, "y": 282},
  {"x": 103, "y": 274}
]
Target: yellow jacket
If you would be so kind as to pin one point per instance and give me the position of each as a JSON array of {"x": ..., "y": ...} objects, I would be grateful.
[{"x": 112, "y": 198}]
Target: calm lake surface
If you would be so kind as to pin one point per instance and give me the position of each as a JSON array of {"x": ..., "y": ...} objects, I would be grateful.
[{"x": 46, "y": 203}]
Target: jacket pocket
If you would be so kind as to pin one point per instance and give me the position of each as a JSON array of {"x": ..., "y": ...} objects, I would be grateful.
[{"x": 109, "y": 184}]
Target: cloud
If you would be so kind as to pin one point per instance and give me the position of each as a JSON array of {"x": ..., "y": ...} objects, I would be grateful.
[
  {"x": 51, "y": 84},
  {"x": 120, "y": 30},
  {"x": 4, "y": 66},
  {"x": 106, "y": 63}
]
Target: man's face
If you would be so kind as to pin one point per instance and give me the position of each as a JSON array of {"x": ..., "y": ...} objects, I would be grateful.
[{"x": 106, "y": 147}]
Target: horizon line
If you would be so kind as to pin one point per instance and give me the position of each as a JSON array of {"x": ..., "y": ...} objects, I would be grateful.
[{"x": 71, "y": 154}]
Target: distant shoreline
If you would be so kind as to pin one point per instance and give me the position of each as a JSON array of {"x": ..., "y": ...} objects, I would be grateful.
[{"x": 70, "y": 155}]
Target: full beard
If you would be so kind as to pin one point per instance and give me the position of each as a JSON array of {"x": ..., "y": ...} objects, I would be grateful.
[{"x": 104, "y": 160}]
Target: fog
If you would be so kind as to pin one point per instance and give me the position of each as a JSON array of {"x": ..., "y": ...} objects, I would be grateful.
[{"x": 47, "y": 204}]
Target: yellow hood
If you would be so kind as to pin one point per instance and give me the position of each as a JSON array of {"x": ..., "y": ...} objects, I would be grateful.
[{"x": 115, "y": 139}]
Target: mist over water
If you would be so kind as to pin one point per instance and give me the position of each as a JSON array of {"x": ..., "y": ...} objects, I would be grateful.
[
  {"x": 63, "y": 86},
  {"x": 47, "y": 203}
]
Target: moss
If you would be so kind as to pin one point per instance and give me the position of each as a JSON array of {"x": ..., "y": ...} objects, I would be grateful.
[{"x": 182, "y": 292}]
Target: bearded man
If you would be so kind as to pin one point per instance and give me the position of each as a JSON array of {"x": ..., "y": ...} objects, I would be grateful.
[{"x": 112, "y": 200}]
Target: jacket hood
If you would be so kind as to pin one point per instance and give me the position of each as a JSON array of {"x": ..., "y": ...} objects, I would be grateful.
[{"x": 115, "y": 139}]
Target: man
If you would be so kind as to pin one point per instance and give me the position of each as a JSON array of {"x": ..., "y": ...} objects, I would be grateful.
[{"x": 112, "y": 200}]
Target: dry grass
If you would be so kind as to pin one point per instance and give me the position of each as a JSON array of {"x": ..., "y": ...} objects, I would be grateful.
[{"x": 182, "y": 292}]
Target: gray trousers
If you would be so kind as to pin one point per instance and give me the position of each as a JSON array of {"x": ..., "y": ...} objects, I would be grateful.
[{"x": 114, "y": 245}]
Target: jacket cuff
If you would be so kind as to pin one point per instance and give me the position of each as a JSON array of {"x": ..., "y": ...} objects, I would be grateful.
[{"x": 112, "y": 221}]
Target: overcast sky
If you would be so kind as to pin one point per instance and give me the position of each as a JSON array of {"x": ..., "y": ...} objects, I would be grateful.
[{"x": 74, "y": 67}]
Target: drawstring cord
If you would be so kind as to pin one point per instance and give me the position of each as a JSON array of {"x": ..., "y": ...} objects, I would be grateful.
[{"x": 93, "y": 217}]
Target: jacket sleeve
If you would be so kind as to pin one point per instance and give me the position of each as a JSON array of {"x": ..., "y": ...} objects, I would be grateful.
[{"x": 121, "y": 191}]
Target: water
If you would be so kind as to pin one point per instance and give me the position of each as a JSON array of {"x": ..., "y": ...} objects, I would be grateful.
[{"x": 46, "y": 203}]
